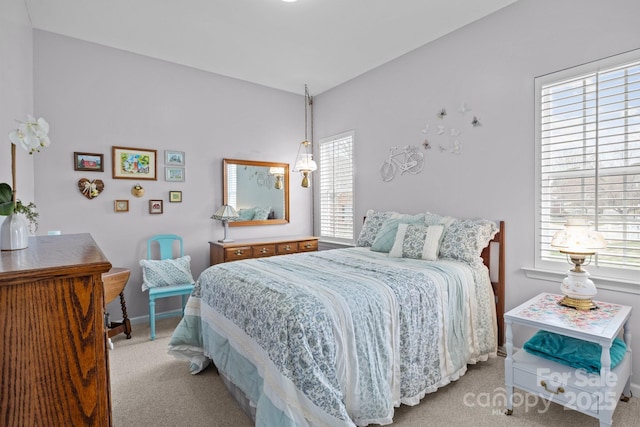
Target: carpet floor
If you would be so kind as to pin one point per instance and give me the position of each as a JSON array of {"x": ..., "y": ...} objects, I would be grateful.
[{"x": 151, "y": 388}]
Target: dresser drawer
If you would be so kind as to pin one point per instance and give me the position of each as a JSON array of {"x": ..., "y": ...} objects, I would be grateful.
[
  {"x": 263, "y": 250},
  {"x": 308, "y": 245},
  {"x": 240, "y": 252},
  {"x": 287, "y": 248}
]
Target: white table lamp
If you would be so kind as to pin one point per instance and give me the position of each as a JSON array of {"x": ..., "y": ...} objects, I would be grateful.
[{"x": 578, "y": 242}]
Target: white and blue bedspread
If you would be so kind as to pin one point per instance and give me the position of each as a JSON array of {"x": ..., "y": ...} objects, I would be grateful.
[{"x": 337, "y": 337}]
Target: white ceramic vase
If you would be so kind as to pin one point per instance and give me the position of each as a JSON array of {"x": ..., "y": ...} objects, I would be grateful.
[{"x": 14, "y": 232}]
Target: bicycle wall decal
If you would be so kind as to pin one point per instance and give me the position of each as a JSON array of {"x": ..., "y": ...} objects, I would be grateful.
[{"x": 410, "y": 159}]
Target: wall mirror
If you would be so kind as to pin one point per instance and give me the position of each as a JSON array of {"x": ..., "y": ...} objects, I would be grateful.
[{"x": 259, "y": 191}]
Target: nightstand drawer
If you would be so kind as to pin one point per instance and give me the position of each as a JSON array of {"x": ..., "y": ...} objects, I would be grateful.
[
  {"x": 553, "y": 386},
  {"x": 287, "y": 248},
  {"x": 308, "y": 245},
  {"x": 240, "y": 252},
  {"x": 264, "y": 250}
]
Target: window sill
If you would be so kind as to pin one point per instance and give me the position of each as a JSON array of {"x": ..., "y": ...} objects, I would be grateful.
[{"x": 609, "y": 284}]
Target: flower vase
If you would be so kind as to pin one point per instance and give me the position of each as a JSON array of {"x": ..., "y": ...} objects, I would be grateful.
[{"x": 14, "y": 232}]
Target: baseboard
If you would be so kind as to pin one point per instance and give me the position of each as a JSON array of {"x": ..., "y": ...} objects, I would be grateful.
[{"x": 145, "y": 319}]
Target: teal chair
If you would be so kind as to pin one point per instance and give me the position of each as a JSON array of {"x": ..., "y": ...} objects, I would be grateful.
[{"x": 166, "y": 244}]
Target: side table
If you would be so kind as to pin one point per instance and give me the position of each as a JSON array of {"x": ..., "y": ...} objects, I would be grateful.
[
  {"x": 591, "y": 394},
  {"x": 114, "y": 282}
]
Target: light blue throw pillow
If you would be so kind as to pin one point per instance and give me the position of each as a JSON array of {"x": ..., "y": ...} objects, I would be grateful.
[
  {"x": 166, "y": 272},
  {"x": 246, "y": 214},
  {"x": 387, "y": 234}
]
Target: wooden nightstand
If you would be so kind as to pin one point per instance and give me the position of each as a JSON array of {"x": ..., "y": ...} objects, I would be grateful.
[
  {"x": 591, "y": 394},
  {"x": 257, "y": 248}
]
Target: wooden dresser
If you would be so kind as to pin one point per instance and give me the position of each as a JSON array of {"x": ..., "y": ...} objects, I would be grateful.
[
  {"x": 257, "y": 248},
  {"x": 54, "y": 367}
]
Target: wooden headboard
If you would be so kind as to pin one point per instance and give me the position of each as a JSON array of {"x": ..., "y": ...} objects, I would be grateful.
[{"x": 498, "y": 283}]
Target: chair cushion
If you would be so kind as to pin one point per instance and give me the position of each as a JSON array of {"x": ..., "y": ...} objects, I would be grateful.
[{"x": 166, "y": 272}]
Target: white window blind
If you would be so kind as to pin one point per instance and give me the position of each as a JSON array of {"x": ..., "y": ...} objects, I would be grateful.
[
  {"x": 232, "y": 185},
  {"x": 588, "y": 124},
  {"x": 336, "y": 188}
]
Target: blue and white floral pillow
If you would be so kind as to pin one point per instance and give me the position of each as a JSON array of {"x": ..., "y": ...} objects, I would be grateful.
[
  {"x": 417, "y": 241},
  {"x": 262, "y": 213},
  {"x": 464, "y": 240},
  {"x": 371, "y": 226},
  {"x": 387, "y": 234},
  {"x": 166, "y": 272}
]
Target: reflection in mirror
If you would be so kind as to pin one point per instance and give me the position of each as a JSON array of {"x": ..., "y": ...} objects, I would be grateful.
[{"x": 259, "y": 191}]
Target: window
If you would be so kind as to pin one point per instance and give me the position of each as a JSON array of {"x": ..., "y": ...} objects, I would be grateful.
[
  {"x": 336, "y": 188},
  {"x": 588, "y": 153}
]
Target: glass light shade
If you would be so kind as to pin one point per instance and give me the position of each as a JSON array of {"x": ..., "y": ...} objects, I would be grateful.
[
  {"x": 578, "y": 238},
  {"x": 276, "y": 171},
  {"x": 305, "y": 163},
  {"x": 225, "y": 213}
]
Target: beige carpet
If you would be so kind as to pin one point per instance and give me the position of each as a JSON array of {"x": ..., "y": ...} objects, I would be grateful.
[{"x": 151, "y": 388}]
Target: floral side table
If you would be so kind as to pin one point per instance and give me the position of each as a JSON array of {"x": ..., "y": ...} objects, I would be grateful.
[{"x": 591, "y": 394}]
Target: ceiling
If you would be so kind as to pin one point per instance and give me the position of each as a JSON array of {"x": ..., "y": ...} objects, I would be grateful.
[{"x": 322, "y": 43}]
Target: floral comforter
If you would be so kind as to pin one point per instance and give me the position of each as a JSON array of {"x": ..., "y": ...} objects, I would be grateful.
[{"x": 339, "y": 337}]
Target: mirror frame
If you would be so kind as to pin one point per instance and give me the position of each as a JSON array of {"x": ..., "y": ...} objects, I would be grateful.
[{"x": 285, "y": 220}]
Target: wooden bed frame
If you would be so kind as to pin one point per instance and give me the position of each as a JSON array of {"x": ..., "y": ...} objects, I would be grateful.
[{"x": 498, "y": 284}]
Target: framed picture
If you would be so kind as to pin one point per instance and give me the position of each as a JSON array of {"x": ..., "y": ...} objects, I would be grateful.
[
  {"x": 155, "y": 206},
  {"x": 134, "y": 163},
  {"x": 121, "y": 206},
  {"x": 175, "y": 158},
  {"x": 174, "y": 174},
  {"x": 91, "y": 162},
  {"x": 175, "y": 196}
]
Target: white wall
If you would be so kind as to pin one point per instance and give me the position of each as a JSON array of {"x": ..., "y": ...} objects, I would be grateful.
[
  {"x": 16, "y": 92},
  {"x": 96, "y": 97},
  {"x": 491, "y": 65}
]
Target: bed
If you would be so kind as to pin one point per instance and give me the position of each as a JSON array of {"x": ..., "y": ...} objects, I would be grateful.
[{"x": 344, "y": 336}]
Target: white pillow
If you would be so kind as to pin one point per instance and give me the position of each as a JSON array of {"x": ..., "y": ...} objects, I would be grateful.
[
  {"x": 166, "y": 272},
  {"x": 417, "y": 241}
]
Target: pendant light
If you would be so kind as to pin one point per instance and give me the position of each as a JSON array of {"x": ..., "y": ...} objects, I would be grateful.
[{"x": 304, "y": 161}]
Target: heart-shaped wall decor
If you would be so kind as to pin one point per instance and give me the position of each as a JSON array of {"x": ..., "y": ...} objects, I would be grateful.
[{"x": 90, "y": 189}]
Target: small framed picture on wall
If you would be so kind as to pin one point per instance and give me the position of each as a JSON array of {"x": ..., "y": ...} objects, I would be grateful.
[
  {"x": 174, "y": 174},
  {"x": 88, "y": 162},
  {"x": 155, "y": 206},
  {"x": 121, "y": 206},
  {"x": 174, "y": 158},
  {"x": 175, "y": 196},
  {"x": 133, "y": 163}
]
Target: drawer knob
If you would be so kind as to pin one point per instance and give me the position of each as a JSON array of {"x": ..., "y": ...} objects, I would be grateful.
[
  {"x": 239, "y": 252},
  {"x": 560, "y": 390},
  {"x": 264, "y": 250},
  {"x": 287, "y": 248},
  {"x": 308, "y": 245}
]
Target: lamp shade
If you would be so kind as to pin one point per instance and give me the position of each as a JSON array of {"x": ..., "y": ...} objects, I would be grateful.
[
  {"x": 578, "y": 238},
  {"x": 277, "y": 170},
  {"x": 225, "y": 213},
  {"x": 305, "y": 163}
]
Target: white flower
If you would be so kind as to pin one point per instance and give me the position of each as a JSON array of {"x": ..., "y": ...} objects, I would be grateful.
[{"x": 31, "y": 135}]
